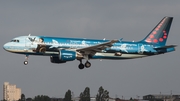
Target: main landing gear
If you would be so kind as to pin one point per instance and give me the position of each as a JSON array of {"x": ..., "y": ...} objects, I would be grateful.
[
  {"x": 26, "y": 60},
  {"x": 81, "y": 65}
]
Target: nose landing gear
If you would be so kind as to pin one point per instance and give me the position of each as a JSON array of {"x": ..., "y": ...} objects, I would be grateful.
[{"x": 26, "y": 60}]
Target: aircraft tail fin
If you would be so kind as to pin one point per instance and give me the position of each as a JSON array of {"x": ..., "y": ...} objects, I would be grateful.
[{"x": 160, "y": 33}]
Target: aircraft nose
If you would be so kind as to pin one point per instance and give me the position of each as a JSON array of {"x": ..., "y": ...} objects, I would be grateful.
[{"x": 5, "y": 46}]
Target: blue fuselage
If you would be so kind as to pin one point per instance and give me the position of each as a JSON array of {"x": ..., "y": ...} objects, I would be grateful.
[{"x": 50, "y": 46}]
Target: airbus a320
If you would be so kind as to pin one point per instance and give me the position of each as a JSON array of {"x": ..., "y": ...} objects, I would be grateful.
[{"x": 62, "y": 50}]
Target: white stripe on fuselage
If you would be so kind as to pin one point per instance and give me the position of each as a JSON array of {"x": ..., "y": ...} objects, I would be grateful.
[
  {"x": 105, "y": 55},
  {"x": 122, "y": 56}
]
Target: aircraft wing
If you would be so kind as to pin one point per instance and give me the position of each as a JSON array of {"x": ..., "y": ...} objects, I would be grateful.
[{"x": 98, "y": 47}]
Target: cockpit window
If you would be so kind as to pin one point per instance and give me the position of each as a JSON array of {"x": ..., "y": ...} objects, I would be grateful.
[{"x": 14, "y": 40}]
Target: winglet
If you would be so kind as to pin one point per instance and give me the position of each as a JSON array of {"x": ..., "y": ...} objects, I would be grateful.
[{"x": 120, "y": 39}]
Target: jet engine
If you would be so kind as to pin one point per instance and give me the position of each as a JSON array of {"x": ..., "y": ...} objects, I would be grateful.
[
  {"x": 64, "y": 56},
  {"x": 67, "y": 55}
]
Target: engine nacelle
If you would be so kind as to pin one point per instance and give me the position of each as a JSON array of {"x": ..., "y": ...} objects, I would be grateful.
[
  {"x": 66, "y": 55},
  {"x": 56, "y": 60}
]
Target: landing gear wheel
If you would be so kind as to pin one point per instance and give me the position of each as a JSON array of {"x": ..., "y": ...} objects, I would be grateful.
[
  {"x": 81, "y": 66},
  {"x": 26, "y": 59},
  {"x": 87, "y": 64},
  {"x": 25, "y": 62}
]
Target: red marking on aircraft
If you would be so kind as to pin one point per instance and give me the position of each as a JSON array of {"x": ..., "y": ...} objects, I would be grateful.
[
  {"x": 164, "y": 37},
  {"x": 155, "y": 40},
  {"x": 154, "y": 32},
  {"x": 148, "y": 40},
  {"x": 157, "y": 29},
  {"x": 151, "y": 36},
  {"x": 160, "y": 39}
]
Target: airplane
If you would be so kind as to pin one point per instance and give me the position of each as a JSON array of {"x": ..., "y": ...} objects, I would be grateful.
[{"x": 62, "y": 50}]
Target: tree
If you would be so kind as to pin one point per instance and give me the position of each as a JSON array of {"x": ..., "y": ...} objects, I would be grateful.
[
  {"x": 131, "y": 99},
  {"x": 85, "y": 96},
  {"x": 103, "y": 95},
  {"x": 68, "y": 96},
  {"x": 81, "y": 97},
  {"x": 23, "y": 98},
  {"x": 117, "y": 99},
  {"x": 41, "y": 98},
  {"x": 29, "y": 99}
]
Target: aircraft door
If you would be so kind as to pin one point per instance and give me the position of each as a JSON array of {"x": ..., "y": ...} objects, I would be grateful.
[
  {"x": 140, "y": 48},
  {"x": 26, "y": 45},
  {"x": 31, "y": 43}
]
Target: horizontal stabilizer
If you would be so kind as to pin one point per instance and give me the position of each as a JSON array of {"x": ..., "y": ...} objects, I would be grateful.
[{"x": 165, "y": 47}]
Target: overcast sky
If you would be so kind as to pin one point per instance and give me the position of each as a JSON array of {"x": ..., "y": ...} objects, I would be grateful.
[{"x": 110, "y": 19}]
